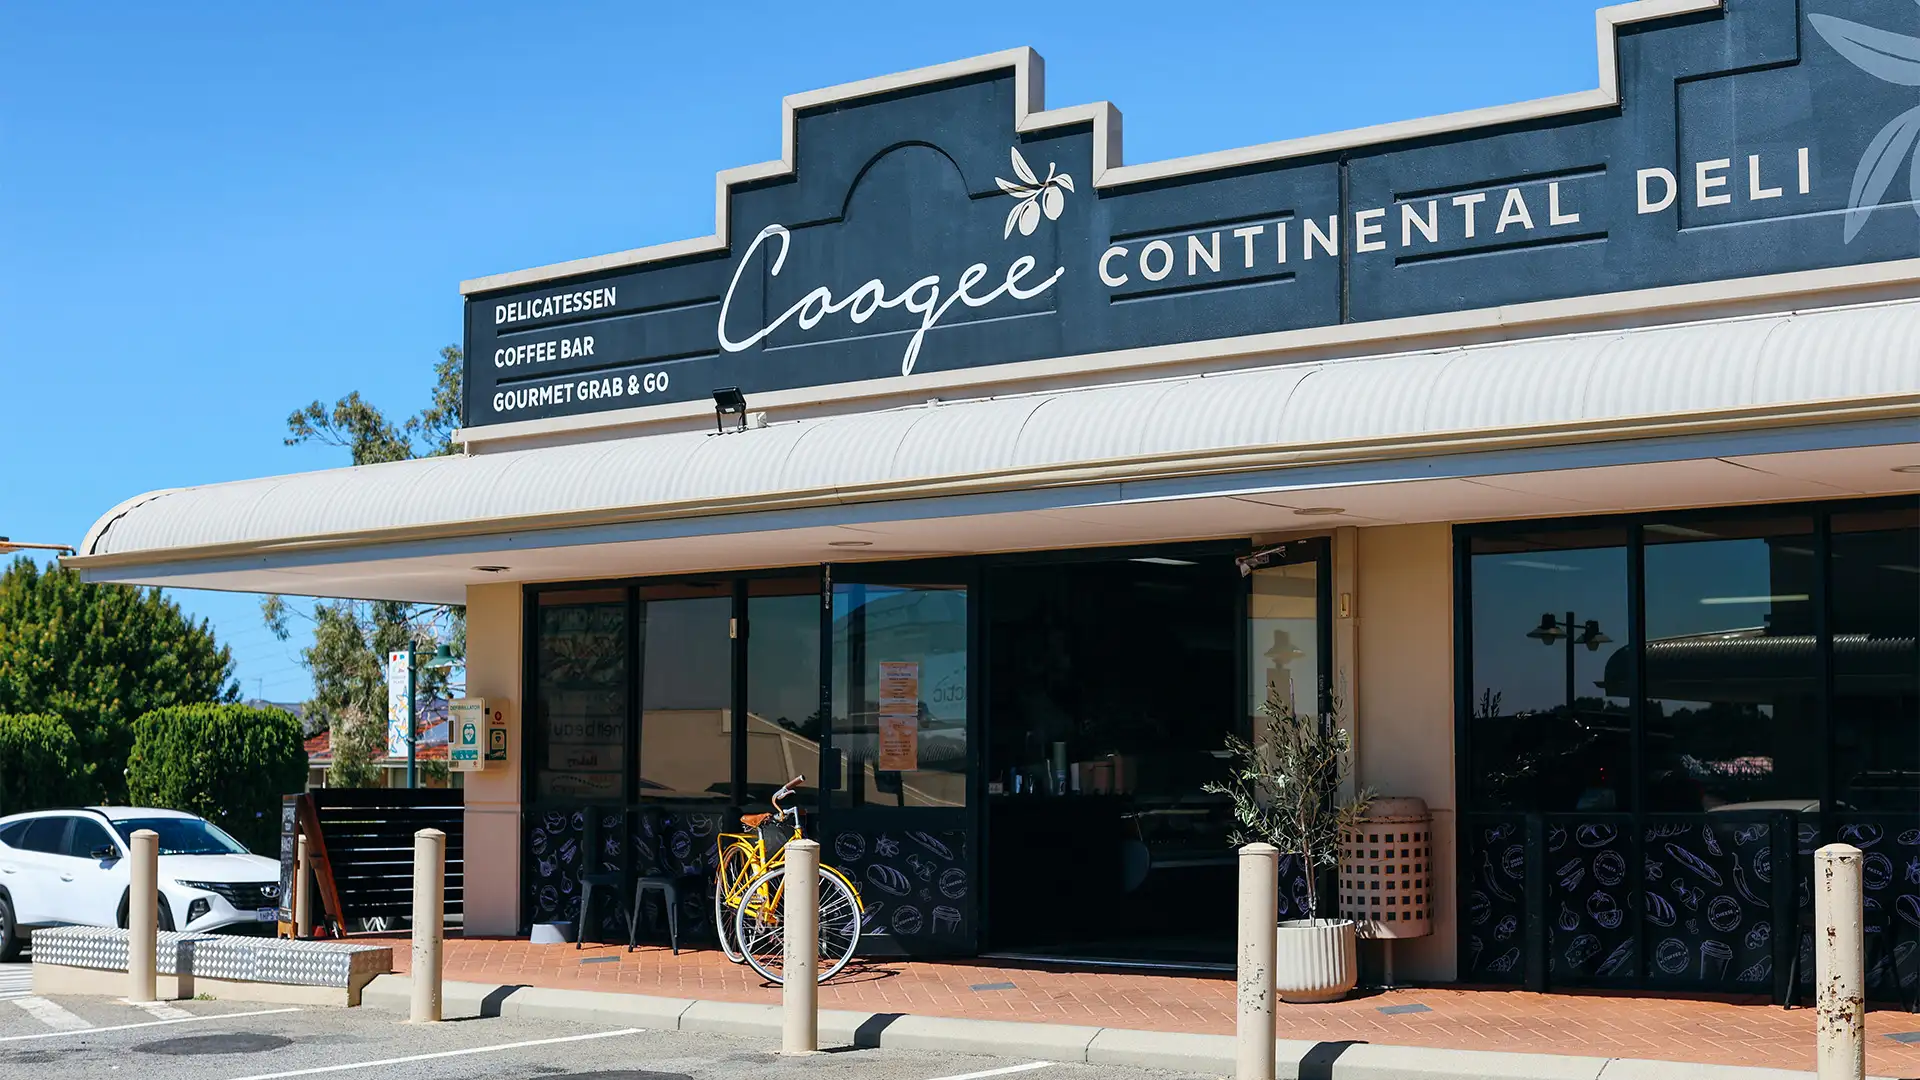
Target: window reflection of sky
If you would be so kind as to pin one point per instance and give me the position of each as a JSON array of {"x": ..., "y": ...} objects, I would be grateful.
[{"x": 1512, "y": 592}]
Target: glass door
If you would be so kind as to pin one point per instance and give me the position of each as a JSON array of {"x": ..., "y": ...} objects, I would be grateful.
[
  {"x": 897, "y": 765},
  {"x": 1288, "y": 631},
  {"x": 686, "y": 695},
  {"x": 782, "y": 709},
  {"x": 1289, "y": 660}
]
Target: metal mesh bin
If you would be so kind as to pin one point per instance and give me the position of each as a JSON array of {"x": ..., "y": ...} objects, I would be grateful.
[{"x": 1386, "y": 870}]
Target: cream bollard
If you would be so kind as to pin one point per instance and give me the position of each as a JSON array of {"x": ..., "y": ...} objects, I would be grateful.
[
  {"x": 1839, "y": 964},
  {"x": 143, "y": 914},
  {"x": 1259, "y": 930},
  {"x": 429, "y": 915},
  {"x": 800, "y": 965}
]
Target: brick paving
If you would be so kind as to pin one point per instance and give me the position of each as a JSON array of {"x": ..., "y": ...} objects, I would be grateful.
[{"x": 1730, "y": 1031}]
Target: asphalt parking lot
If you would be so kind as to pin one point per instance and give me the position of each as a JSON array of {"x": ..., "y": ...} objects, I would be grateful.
[{"x": 73, "y": 1037}]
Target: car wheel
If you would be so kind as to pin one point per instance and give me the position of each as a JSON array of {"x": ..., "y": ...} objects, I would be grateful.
[
  {"x": 165, "y": 919},
  {"x": 10, "y": 942}
]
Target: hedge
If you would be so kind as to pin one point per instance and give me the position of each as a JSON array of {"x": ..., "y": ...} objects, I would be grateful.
[
  {"x": 40, "y": 763},
  {"x": 227, "y": 763}
]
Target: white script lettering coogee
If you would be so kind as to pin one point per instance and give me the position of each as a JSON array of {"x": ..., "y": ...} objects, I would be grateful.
[
  {"x": 939, "y": 222},
  {"x": 922, "y": 297}
]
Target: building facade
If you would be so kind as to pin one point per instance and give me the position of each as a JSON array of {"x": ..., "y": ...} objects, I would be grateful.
[{"x": 1567, "y": 452}]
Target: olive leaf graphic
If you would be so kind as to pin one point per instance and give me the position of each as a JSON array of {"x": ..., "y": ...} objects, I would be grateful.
[
  {"x": 1893, "y": 58},
  {"x": 1035, "y": 196}
]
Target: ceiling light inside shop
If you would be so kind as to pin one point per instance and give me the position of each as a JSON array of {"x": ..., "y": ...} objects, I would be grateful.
[
  {"x": 1907, "y": 468},
  {"x": 849, "y": 543},
  {"x": 1782, "y": 598},
  {"x": 1681, "y": 530},
  {"x": 491, "y": 569},
  {"x": 1320, "y": 511},
  {"x": 1158, "y": 561}
]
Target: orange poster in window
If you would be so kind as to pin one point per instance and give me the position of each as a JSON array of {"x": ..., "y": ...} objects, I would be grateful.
[
  {"x": 899, "y": 717},
  {"x": 899, "y": 743}
]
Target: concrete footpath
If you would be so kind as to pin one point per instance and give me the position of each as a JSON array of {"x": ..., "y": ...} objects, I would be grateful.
[{"x": 1177, "y": 1051}]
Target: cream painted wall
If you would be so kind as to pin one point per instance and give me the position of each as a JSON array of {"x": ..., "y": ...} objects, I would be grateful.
[
  {"x": 494, "y": 623},
  {"x": 1401, "y": 626}
]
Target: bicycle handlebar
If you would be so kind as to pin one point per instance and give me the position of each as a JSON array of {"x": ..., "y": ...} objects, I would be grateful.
[{"x": 784, "y": 792}]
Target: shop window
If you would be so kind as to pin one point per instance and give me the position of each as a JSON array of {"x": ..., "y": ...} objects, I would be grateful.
[
  {"x": 1875, "y": 600},
  {"x": 783, "y": 686},
  {"x": 1732, "y": 664},
  {"x": 900, "y": 695},
  {"x": 1551, "y": 672},
  {"x": 686, "y": 693},
  {"x": 580, "y": 695}
]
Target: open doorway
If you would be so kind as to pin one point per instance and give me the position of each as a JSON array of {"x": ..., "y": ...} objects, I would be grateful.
[{"x": 1112, "y": 684}]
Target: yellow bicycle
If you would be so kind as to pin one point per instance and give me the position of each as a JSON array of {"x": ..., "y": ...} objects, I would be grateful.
[{"x": 749, "y": 891}]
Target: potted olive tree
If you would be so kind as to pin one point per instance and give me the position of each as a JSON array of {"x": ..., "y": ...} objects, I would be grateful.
[{"x": 1285, "y": 786}]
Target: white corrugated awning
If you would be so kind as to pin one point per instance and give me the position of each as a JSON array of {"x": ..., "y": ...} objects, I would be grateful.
[{"x": 1264, "y": 425}]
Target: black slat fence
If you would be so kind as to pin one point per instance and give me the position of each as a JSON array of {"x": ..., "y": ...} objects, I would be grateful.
[{"x": 369, "y": 842}]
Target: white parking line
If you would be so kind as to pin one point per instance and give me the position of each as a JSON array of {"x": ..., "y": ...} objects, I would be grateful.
[
  {"x": 51, "y": 1015},
  {"x": 446, "y": 1054},
  {"x": 143, "y": 1024},
  {"x": 16, "y": 981},
  {"x": 160, "y": 1010},
  {"x": 1028, "y": 1067}
]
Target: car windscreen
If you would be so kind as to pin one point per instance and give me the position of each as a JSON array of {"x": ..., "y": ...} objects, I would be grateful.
[{"x": 182, "y": 836}]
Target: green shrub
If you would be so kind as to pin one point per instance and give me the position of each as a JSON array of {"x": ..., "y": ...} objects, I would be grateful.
[
  {"x": 97, "y": 656},
  {"x": 228, "y": 763},
  {"x": 40, "y": 763}
]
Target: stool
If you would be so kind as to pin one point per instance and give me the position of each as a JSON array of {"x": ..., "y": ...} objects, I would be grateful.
[
  {"x": 607, "y": 879},
  {"x": 669, "y": 895}
]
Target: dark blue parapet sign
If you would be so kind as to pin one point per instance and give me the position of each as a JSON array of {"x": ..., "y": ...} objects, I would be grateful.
[{"x": 943, "y": 220}]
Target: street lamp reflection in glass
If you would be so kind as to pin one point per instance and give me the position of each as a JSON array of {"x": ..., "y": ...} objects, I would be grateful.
[{"x": 1574, "y": 633}]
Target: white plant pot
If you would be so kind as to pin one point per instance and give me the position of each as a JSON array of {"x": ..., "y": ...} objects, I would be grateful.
[{"x": 1314, "y": 961}]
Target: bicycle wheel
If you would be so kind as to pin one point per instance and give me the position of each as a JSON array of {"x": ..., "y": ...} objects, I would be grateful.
[
  {"x": 760, "y": 929},
  {"x": 736, "y": 870}
]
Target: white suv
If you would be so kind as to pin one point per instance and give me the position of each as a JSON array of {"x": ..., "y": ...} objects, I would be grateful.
[{"x": 68, "y": 867}]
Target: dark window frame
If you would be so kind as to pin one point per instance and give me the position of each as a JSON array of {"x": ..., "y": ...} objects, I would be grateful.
[
  {"x": 1822, "y": 513},
  {"x": 533, "y": 746}
]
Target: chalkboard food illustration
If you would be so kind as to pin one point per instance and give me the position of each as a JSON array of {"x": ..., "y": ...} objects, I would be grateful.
[
  {"x": 1592, "y": 938},
  {"x": 1671, "y": 956},
  {"x": 1495, "y": 902},
  {"x": 907, "y": 920},
  {"x": 1705, "y": 889},
  {"x": 910, "y": 876},
  {"x": 850, "y": 847},
  {"x": 889, "y": 880}
]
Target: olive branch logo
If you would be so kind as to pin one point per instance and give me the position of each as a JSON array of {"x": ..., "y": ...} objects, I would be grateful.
[
  {"x": 1036, "y": 196},
  {"x": 1893, "y": 58}
]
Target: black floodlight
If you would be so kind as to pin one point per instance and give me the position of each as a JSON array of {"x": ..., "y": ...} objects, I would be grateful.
[{"x": 729, "y": 401}]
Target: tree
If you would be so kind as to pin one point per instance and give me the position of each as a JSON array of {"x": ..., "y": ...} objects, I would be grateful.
[
  {"x": 40, "y": 763},
  {"x": 97, "y": 656},
  {"x": 351, "y": 637},
  {"x": 357, "y": 426},
  {"x": 229, "y": 764},
  {"x": 1285, "y": 787}
]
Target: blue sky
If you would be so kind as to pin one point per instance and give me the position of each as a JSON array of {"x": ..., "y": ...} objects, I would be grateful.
[{"x": 213, "y": 214}]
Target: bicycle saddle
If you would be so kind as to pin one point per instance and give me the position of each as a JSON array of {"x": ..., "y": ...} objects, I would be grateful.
[{"x": 754, "y": 821}]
